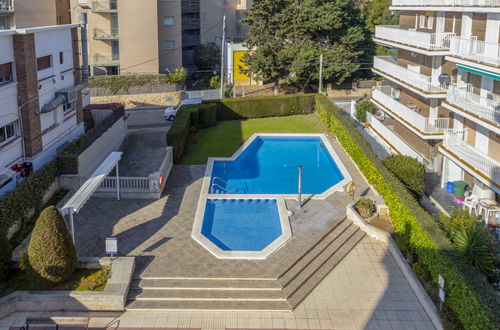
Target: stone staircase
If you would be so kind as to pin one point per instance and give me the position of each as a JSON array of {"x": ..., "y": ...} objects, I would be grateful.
[{"x": 280, "y": 294}]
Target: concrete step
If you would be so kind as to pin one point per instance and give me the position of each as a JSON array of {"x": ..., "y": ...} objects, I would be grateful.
[
  {"x": 216, "y": 283},
  {"x": 226, "y": 305},
  {"x": 316, "y": 250},
  {"x": 201, "y": 294},
  {"x": 313, "y": 266},
  {"x": 295, "y": 298}
]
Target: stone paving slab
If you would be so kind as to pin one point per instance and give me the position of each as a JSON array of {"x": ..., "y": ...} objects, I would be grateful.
[{"x": 367, "y": 290}]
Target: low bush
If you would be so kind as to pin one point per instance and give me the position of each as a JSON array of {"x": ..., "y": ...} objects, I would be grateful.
[
  {"x": 266, "y": 106},
  {"x": 208, "y": 114},
  {"x": 176, "y": 76},
  {"x": 365, "y": 207},
  {"x": 215, "y": 82},
  {"x": 51, "y": 253},
  {"x": 409, "y": 171},
  {"x": 123, "y": 82},
  {"x": 457, "y": 221},
  {"x": 16, "y": 206},
  {"x": 179, "y": 132},
  {"x": 362, "y": 108},
  {"x": 469, "y": 297},
  {"x": 5, "y": 255}
]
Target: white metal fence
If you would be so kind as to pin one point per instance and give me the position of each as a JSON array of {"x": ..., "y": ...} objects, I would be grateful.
[
  {"x": 483, "y": 163},
  {"x": 395, "y": 141},
  {"x": 206, "y": 94},
  {"x": 387, "y": 65},
  {"x": 431, "y": 41},
  {"x": 474, "y": 103},
  {"x": 476, "y": 50},
  {"x": 446, "y": 3},
  {"x": 383, "y": 95}
]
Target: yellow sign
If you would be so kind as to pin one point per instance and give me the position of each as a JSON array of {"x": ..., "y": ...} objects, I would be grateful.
[{"x": 238, "y": 65}]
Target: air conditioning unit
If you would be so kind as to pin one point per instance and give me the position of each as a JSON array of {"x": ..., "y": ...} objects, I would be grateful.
[{"x": 68, "y": 93}]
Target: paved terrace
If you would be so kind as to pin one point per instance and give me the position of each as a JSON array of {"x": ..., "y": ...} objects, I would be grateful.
[
  {"x": 365, "y": 291},
  {"x": 159, "y": 232}
]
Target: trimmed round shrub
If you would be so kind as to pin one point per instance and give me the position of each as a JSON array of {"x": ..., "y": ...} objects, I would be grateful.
[
  {"x": 5, "y": 255},
  {"x": 409, "y": 171},
  {"x": 51, "y": 252},
  {"x": 362, "y": 108}
]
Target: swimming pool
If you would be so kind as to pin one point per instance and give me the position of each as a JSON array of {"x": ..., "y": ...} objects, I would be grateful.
[
  {"x": 269, "y": 166},
  {"x": 242, "y": 224},
  {"x": 241, "y": 211}
]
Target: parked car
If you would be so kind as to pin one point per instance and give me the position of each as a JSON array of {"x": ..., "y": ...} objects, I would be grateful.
[{"x": 170, "y": 112}]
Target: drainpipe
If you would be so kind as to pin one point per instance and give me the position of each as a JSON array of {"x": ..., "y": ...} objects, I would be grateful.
[{"x": 82, "y": 21}]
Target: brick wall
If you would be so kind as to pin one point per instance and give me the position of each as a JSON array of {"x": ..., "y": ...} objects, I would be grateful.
[
  {"x": 77, "y": 73},
  {"x": 27, "y": 89},
  {"x": 406, "y": 57},
  {"x": 471, "y": 131},
  {"x": 448, "y": 22},
  {"x": 479, "y": 25},
  {"x": 496, "y": 87},
  {"x": 407, "y": 97},
  {"x": 494, "y": 146},
  {"x": 407, "y": 19},
  {"x": 423, "y": 147}
]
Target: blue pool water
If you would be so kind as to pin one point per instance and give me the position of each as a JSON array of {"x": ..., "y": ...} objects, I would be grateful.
[
  {"x": 241, "y": 224},
  {"x": 269, "y": 166}
]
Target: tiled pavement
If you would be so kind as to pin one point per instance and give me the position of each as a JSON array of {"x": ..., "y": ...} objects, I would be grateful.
[{"x": 365, "y": 291}]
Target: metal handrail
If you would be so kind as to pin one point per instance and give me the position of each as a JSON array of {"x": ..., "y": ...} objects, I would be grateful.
[
  {"x": 224, "y": 182},
  {"x": 222, "y": 188}
]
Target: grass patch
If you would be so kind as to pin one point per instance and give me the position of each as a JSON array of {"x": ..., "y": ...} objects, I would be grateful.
[
  {"x": 225, "y": 137},
  {"x": 81, "y": 280}
]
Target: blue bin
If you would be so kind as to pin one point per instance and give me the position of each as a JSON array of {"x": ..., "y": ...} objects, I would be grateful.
[{"x": 450, "y": 187}]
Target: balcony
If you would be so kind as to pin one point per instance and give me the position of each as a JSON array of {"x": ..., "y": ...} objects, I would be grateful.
[
  {"x": 419, "y": 83},
  {"x": 190, "y": 24},
  {"x": 477, "y": 51},
  {"x": 6, "y": 6},
  {"x": 106, "y": 34},
  {"x": 450, "y": 4},
  {"x": 395, "y": 36},
  {"x": 190, "y": 40},
  {"x": 190, "y": 6},
  {"x": 475, "y": 107},
  {"x": 471, "y": 159},
  {"x": 426, "y": 128},
  {"x": 103, "y": 6},
  {"x": 102, "y": 60}
]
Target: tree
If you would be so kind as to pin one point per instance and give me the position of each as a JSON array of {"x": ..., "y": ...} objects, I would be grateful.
[
  {"x": 288, "y": 36},
  {"x": 5, "y": 255},
  {"x": 51, "y": 253},
  {"x": 377, "y": 12},
  {"x": 207, "y": 56}
]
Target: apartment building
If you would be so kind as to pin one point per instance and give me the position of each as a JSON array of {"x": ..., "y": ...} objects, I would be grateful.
[
  {"x": 20, "y": 14},
  {"x": 444, "y": 97},
  {"x": 151, "y": 36},
  {"x": 40, "y": 89}
]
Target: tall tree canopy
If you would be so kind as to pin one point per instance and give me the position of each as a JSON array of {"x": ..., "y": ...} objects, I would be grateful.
[{"x": 288, "y": 36}]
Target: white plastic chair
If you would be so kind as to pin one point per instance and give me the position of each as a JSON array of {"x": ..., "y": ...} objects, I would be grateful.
[{"x": 471, "y": 204}]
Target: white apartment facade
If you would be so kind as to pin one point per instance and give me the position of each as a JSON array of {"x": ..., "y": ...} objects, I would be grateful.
[
  {"x": 444, "y": 98},
  {"x": 40, "y": 89}
]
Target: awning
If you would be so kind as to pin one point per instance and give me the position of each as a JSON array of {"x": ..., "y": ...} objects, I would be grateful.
[
  {"x": 479, "y": 72},
  {"x": 52, "y": 105}
]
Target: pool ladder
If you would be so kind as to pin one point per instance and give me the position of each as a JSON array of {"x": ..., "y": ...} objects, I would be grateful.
[{"x": 214, "y": 185}]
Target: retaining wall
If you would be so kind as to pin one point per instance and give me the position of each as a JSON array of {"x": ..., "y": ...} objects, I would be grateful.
[{"x": 141, "y": 100}]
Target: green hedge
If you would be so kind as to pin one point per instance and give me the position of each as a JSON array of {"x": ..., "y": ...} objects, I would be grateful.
[
  {"x": 267, "y": 106},
  {"x": 179, "y": 132},
  {"x": 468, "y": 295},
  {"x": 409, "y": 171},
  {"x": 208, "y": 115},
  {"x": 16, "y": 205}
]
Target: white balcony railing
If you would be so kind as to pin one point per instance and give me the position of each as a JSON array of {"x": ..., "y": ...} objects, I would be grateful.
[
  {"x": 106, "y": 33},
  {"x": 431, "y": 41},
  {"x": 476, "y": 50},
  {"x": 447, "y": 3},
  {"x": 384, "y": 95},
  {"x": 102, "y": 60},
  {"x": 387, "y": 65},
  {"x": 106, "y": 6},
  {"x": 6, "y": 5},
  {"x": 471, "y": 156},
  {"x": 478, "y": 105}
]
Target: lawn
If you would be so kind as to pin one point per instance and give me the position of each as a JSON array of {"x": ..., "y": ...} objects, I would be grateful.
[{"x": 225, "y": 137}]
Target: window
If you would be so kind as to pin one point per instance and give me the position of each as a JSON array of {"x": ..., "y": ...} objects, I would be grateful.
[
  {"x": 67, "y": 107},
  {"x": 168, "y": 20},
  {"x": 5, "y": 73},
  {"x": 61, "y": 58},
  {"x": 238, "y": 2},
  {"x": 7, "y": 132},
  {"x": 422, "y": 21},
  {"x": 43, "y": 62},
  {"x": 429, "y": 22},
  {"x": 169, "y": 45}
]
